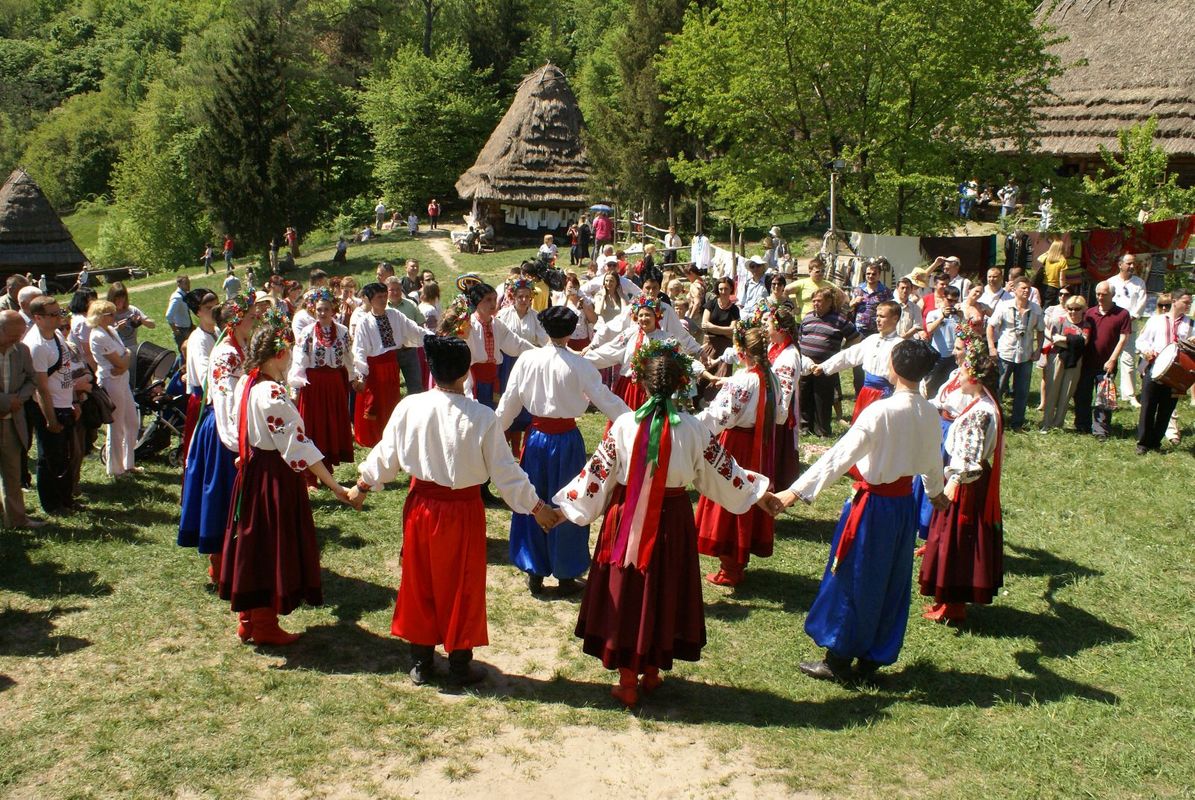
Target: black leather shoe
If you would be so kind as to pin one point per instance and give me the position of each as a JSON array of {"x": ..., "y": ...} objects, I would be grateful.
[
  {"x": 567, "y": 587},
  {"x": 535, "y": 584},
  {"x": 461, "y": 669},
  {"x": 829, "y": 669},
  {"x": 424, "y": 664}
]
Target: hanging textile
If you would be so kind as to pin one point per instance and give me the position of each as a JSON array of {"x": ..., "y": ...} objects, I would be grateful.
[{"x": 902, "y": 252}]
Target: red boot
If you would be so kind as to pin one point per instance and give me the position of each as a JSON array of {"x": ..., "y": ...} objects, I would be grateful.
[
  {"x": 651, "y": 679},
  {"x": 946, "y": 612},
  {"x": 731, "y": 573},
  {"x": 213, "y": 567},
  {"x": 244, "y": 626},
  {"x": 920, "y": 551},
  {"x": 265, "y": 628},
  {"x": 627, "y": 689}
]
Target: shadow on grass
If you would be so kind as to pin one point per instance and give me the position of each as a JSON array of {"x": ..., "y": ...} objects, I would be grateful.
[
  {"x": 355, "y": 597},
  {"x": 767, "y": 588},
  {"x": 1035, "y": 562},
  {"x": 6, "y": 683},
  {"x": 31, "y": 633},
  {"x": 43, "y": 579},
  {"x": 345, "y": 648},
  {"x": 820, "y": 531},
  {"x": 928, "y": 685},
  {"x": 333, "y": 535}
]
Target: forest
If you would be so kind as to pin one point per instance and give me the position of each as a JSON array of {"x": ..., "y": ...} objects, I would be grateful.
[{"x": 187, "y": 119}]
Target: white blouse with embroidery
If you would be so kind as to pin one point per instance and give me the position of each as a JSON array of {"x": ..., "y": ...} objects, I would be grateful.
[
  {"x": 311, "y": 353},
  {"x": 505, "y": 341},
  {"x": 735, "y": 404},
  {"x": 450, "y": 440},
  {"x": 696, "y": 459},
  {"x": 225, "y": 367},
  {"x": 622, "y": 349},
  {"x": 788, "y": 367},
  {"x": 971, "y": 441},
  {"x": 375, "y": 335},
  {"x": 272, "y": 422}
]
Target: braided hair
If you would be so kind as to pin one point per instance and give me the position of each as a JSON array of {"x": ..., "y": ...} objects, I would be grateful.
[{"x": 661, "y": 374}]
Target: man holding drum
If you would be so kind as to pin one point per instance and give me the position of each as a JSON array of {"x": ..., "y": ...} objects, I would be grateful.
[{"x": 1167, "y": 345}]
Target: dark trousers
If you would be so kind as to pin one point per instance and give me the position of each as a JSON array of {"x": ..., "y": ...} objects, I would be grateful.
[
  {"x": 1089, "y": 419},
  {"x": 55, "y": 477},
  {"x": 817, "y": 403},
  {"x": 938, "y": 375},
  {"x": 1019, "y": 374},
  {"x": 1157, "y": 405},
  {"x": 412, "y": 374},
  {"x": 180, "y": 336},
  {"x": 434, "y": 218}
]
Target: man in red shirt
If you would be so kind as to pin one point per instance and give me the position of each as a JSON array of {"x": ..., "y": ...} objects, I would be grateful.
[
  {"x": 228, "y": 251},
  {"x": 433, "y": 213},
  {"x": 1108, "y": 329},
  {"x": 603, "y": 231}
]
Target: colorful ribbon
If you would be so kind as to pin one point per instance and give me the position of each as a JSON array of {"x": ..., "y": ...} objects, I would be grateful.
[{"x": 640, "y": 519}]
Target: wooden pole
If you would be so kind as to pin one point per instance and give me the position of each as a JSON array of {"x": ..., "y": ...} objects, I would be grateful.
[
  {"x": 671, "y": 213},
  {"x": 697, "y": 221},
  {"x": 643, "y": 223}
]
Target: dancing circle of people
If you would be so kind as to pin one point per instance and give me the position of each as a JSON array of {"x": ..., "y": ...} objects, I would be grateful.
[{"x": 277, "y": 401}]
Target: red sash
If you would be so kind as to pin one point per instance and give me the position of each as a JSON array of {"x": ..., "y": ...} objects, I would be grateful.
[
  {"x": 901, "y": 487},
  {"x": 486, "y": 372},
  {"x": 434, "y": 491},
  {"x": 554, "y": 424}
]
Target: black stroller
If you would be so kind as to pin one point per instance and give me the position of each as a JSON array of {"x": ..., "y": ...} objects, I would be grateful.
[{"x": 161, "y": 398}]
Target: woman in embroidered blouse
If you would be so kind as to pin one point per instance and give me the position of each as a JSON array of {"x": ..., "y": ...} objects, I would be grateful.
[
  {"x": 788, "y": 365},
  {"x": 743, "y": 416},
  {"x": 319, "y": 371},
  {"x": 621, "y": 351},
  {"x": 112, "y": 358},
  {"x": 964, "y": 557},
  {"x": 643, "y": 606},
  {"x": 271, "y": 555}
]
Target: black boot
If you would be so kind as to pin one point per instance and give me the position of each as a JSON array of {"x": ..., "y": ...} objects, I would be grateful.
[
  {"x": 535, "y": 584},
  {"x": 865, "y": 670},
  {"x": 423, "y": 663},
  {"x": 566, "y": 587},
  {"x": 461, "y": 669},
  {"x": 831, "y": 668}
]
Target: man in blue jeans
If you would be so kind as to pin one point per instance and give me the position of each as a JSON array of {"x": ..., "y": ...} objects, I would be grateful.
[
  {"x": 1015, "y": 333},
  {"x": 1108, "y": 329}
]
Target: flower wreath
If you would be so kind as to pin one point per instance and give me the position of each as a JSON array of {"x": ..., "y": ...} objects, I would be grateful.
[
  {"x": 642, "y": 301},
  {"x": 976, "y": 357},
  {"x": 241, "y": 305},
  {"x": 455, "y": 321},
  {"x": 279, "y": 324},
  {"x": 318, "y": 295},
  {"x": 738, "y": 330},
  {"x": 655, "y": 347},
  {"x": 514, "y": 284}
]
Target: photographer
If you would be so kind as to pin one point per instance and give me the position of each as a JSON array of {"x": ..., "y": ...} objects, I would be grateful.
[
  {"x": 941, "y": 328},
  {"x": 128, "y": 318}
]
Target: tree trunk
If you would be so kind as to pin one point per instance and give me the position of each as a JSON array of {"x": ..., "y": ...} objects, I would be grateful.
[{"x": 429, "y": 17}]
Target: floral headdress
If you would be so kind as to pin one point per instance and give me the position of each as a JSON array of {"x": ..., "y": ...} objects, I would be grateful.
[
  {"x": 279, "y": 323},
  {"x": 738, "y": 330},
  {"x": 977, "y": 358},
  {"x": 455, "y": 321},
  {"x": 318, "y": 295},
  {"x": 240, "y": 307},
  {"x": 655, "y": 347},
  {"x": 515, "y": 284},
  {"x": 642, "y": 301}
]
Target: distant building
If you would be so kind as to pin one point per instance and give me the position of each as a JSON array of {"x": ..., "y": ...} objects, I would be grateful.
[{"x": 32, "y": 236}]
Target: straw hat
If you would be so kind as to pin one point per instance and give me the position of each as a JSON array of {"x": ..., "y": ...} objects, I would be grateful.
[{"x": 920, "y": 277}]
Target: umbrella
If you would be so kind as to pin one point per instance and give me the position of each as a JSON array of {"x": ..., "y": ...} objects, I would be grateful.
[{"x": 601, "y": 207}]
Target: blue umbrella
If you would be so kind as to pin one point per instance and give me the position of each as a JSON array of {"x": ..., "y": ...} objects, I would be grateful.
[{"x": 601, "y": 207}]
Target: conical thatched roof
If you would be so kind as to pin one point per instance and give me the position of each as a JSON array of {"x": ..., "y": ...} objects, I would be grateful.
[
  {"x": 32, "y": 237},
  {"x": 1125, "y": 61},
  {"x": 535, "y": 155}
]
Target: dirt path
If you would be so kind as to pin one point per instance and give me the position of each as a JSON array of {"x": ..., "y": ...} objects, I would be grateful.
[{"x": 445, "y": 250}]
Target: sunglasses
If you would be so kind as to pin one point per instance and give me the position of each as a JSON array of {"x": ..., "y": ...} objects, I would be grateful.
[{"x": 1163, "y": 306}]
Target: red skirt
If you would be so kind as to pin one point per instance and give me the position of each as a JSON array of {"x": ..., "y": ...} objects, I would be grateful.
[
  {"x": 378, "y": 399},
  {"x": 271, "y": 555},
  {"x": 578, "y": 345},
  {"x": 737, "y": 536},
  {"x": 194, "y": 404},
  {"x": 630, "y": 391},
  {"x": 867, "y": 395},
  {"x": 324, "y": 406},
  {"x": 964, "y": 554},
  {"x": 441, "y": 596},
  {"x": 787, "y": 460},
  {"x": 631, "y": 619}
]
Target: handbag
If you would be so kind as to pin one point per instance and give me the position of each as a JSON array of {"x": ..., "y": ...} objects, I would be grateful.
[
  {"x": 1105, "y": 394},
  {"x": 97, "y": 409}
]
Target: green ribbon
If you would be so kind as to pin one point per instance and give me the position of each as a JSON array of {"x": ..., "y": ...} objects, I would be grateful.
[{"x": 657, "y": 423}]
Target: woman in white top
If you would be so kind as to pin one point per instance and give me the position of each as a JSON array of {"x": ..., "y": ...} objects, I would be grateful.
[
  {"x": 112, "y": 358},
  {"x": 198, "y": 350},
  {"x": 788, "y": 365},
  {"x": 319, "y": 371},
  {"x": 128, "y": 318},
  {"x": 548, "y": 249}
]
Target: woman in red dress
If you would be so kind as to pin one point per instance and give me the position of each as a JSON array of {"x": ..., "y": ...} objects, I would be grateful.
[{"x": 319, "y": 371}]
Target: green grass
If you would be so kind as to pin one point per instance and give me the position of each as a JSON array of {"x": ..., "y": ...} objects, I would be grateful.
[
  {"x": 84, "y": 225},
  {"x": 120, "y": 673}
]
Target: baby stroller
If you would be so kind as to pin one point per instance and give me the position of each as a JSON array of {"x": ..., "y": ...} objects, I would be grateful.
[{"x": 161, "y": 399}]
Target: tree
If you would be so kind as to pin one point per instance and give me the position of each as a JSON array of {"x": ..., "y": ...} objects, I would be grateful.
[
  {"x": 904, "y": 91},
  {"x": 429, "y": 118},
  {"x": 254, "y": 161}
]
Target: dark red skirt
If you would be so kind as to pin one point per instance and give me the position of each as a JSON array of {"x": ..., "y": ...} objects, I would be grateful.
[
  {"x": 788, "y": 457},
  {"x": 271, "y": 555},
  {"x": 578, "y": 345},
  {"x": 964, "y": 555},
  {"x": 630, "y": 391},
  {"x": 324, "y": 406},
  {"x": 631, "y": 619},
  {"x": 378, "y": 400},
  {"x": 737, "y": 536},
  {"x": 194, "y": 404}
]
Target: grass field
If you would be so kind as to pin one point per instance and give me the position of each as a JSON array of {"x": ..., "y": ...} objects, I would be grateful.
[{"x": 120, "y": 673}]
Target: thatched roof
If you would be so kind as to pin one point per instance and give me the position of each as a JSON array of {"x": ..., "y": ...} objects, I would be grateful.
[
  {"x": 535, "y": 155},
  {"x": 1125, "y": 61},
  {"x": 32, "y": 237}
]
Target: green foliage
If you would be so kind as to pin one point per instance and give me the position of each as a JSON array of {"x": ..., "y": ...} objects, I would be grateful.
[
  {"x": 899, "y": 89},
  {"x": 1135, "y": 179},
  {"x": 429, "y": 118},
  {"x": 71, "y": 153}
]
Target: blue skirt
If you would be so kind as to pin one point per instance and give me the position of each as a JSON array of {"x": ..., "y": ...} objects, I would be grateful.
[
  {"x": 550, "y": 460},
  {"x": 925, "y": 508},
  {"x": 207, "y": 489},
  {"x": 862, "y": 610},
  {"x": 523, "y": 420}
]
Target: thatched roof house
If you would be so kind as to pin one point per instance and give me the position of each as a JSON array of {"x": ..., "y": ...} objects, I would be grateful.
[
  {"x": 1125, "y": 61},
  {"x": 32, "y": 237},
  {"x": 534, "y": 159}
]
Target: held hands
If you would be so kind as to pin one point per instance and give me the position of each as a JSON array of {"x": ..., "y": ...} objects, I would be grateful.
[
  {"x": 549, "y": 517},
  {"x": 354, "y": 497},
  {"x": 817, "y": 370},
  {"x": 770, "y": 504}
]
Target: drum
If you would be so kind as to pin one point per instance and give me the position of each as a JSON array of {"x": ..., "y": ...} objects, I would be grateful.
[{"x": 1174, "y": 367}]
